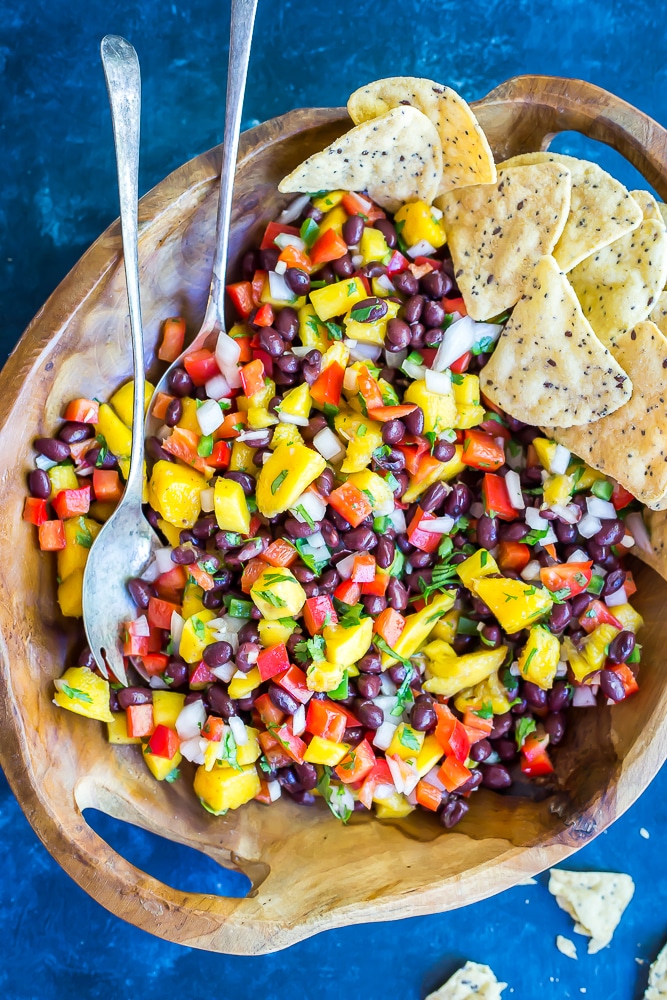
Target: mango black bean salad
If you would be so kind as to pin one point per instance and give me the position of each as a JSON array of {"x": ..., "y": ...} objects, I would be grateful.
[{"x": 375, "y": 588}]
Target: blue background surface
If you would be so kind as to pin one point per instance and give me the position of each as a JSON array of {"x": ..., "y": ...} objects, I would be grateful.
[{"x": 57, "y": 193}]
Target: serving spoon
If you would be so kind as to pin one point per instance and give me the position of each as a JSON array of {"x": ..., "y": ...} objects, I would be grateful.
[{"x": 241, "y": 28}]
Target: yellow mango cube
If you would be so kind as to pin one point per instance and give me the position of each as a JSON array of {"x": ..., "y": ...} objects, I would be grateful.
[
  {"x": 406, "y": 742},
  {"x": 297, "y": 402},
  {"x": 101, "y": 511},
  {"x": 480, "y": 563},
  {"x": 337, "y": 299},
  {"x": 312, "y": 331},
  {"x": 241, "y": 686},
  {"x": 539, "y": 658},
  {"x": 277, "y": 593},
  {"x": 515, "y": 604},
  {"x": 63, "y": 477},
  {"x": 377, "y": 490},
  {"x": 160, "y": 767},
  {"x": 80, "y": 533},
  {"x": 348, "y": 645},
  {"x": 231, "y": 506},
  {"x": 321, "y": 751},
  {"x": 429, "y": 755},
  {"x": 395, "y": 807},
  {"x": 167, "y": 706},
  {"x": 324, "y": 676},
  {"x": 85, "y": 693},
  {"x": 447, "y": 627},
  {"x": 468, "y": 416},
  {"x": 117, "y": 434},
  {"x": 372, "y": 245},
  {"x": 70, "y": 595},
  {"x": 370, "y": 333},
  {"x": 224, "y": 788},
  {"x": 249, "y": 752},
  {"x": 286, "y": 434},
  {"x": 416, "y": 222},
  {"x": 449, "y": 675},
  {"x": 439, "y": 410},
  {"x": 273, "y": 632},
  {"x": 117, "y": 730},
  {"x": 285, "y": 476},
  {"x": 335, "y": 219},
  {"x": 188, "y": 419},
  {"x": 418, "y": 627},
  {"x": 490, "y": 692},
  {"x": 629, "y": 618},
  {"x": 123, "y": 401},
  {"x": 242, "y": 458},
  {"x": 558, "y": 489},
  {"x": 196, "y": 636},
  {"x": 175, "y": 493},
  {"x": 170, "y": 531},
  {"x": 193, "y": 603},
  {"x": 328, "y": 200},
  {"x": 466, "y": 390}
]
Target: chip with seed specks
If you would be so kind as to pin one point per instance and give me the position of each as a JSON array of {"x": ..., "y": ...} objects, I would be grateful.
[
  {"x": 600, "y": 212},
  {"x": 549, "y": 361},
  {"x": 648, "y": 204},
  {"x": 395, "y": 158},
  {"x": 658, "y": 313},
  {"x": 497, "y": 232},
  {"x": 619, "y": 285},
  {"x": 466, "y": 155},
  {"x": 596, "y": 901},
  {"x": 630, "y": 445}
]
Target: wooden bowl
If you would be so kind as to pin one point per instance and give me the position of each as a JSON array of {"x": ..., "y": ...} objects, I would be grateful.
[{"x": 308, "y": 872}]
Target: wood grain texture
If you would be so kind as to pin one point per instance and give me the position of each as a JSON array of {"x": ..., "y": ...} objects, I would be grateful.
[{"x": 308, "y": 872}]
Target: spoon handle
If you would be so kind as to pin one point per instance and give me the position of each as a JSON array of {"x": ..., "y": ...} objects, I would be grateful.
[
  {"x": 240, "y": 39},
  {"x": 121, "y": 70}
]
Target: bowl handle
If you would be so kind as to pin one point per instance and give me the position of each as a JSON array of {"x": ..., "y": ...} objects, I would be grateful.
[{"x": 526, "y": 112}]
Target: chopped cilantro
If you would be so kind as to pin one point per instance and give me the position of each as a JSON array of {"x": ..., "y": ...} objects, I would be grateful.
[
  {"x": 483, "y": 346},
  {"x": 446, "y": 548},
  {"x": 83, "y": 536},
  {"x": 305, "y": 515},
  {"x": 408, "y": 739},
  {"x": 386, "y": 648},
  {"x": 529, "y": 658},
  {"x": 310, "y": 649},
  {"x": 309, "y": 232},
  {"x": 279, "y": 480},
  {"x": 230, "y": 751},
  {"x": 350, "y": 615},
  {"x": 361, "y": 430},
  {"x": 369, "y": 496},
  {"x": 381, "y": 452},
  {"x": 306, "y": 558},
  {"x": 335, "y": 796},
  {"x": 273, "y": 599},
  {"x": 351, "y": 288},
  {"x": 264, "y": 765},
  {"x": 363, "y": 315},
  {"x": 391, "y": 481},
  {"x": 205, "y": 446},
  {"x": 199, "y": 627},
  {"x": 75, "y": 693},
  {"x": 466, "y": 626},
  {"x": 335, "y": 331},
  {"x": 535, "y": 535},
  {"x": 523, "y": 727},
  {"x": 486, "y": 711},
  {"x": 457, "y": 379}
]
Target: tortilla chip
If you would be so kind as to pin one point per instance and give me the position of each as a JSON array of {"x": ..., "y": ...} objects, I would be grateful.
[
  {"x": 620, "y": 284},
  {"x": 472, "y": 982},
  {"x": 657, "y": 978},
  {"x": 648, "y": 205},
  {"x": 466, "y": 155},
  {"x": 395, "y": 158},
  {"x": 596, "y": 901},
  {"x": 630, "y": 445},
  {"x": 497, "y": 232},
  {"x": 601, "y": 209},
  {"x": 662, "y": 208},
  {"x": 549, "y": 361},
  {"x": 658, "y": 313}
]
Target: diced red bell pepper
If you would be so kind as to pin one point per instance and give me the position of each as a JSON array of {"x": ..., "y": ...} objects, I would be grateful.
[
  {"x": 428, "y": 796},
  {"x": 327, "y": 387},
  {"x": 326, "y": 719},
  {"x": 329, "y": 246},
  {"x": 480, "y": 725},
  {"x": 280, "y": 553},
  {"x": 242, "y": 298},
  {"x": 348, "y": 592},
  {"x": 35, "y": 511},
  {"x": 274, "y": 751},
  {"x": 597, "y": 613},
  {"x": 620, "y": 497},
  {"x": 83, "y": 411},
  {"x": 421, "y": 266},
  {"x": 462, "y": 364},
  {"x": 252, "y": 378},
  {"x": 628, "y": 679},
  {"x": 258, "y": 282},
  {"x": 397, "y": 263},
  {"x": 378, "y": 777},
  {"x": 630, "y": 587},
  {"x": 534, "y": 757},
  {"x": 201, "y": 366},
  {"x": 275, "y": 229},
  {"x": 293, "y": 746},
  {"x": 388, "y": 625},
  {"x": 136, "y": 645},
  {"x": 263, "y": 795},
  {"x": 107, "y": 486},
  {"x": 164, "y": 742},
  {"x": 454, "y": 305},
  {"x": 369, "y": 388},
  {"x": 268, "y": 713},
  {"x": 155, "y": 663},
  {"x": 567, "y": 579},
  {"x": 173, "y": 338},
  {"x": 182, "y": 444},
  {"x": 480, "y": 451},
  {"x": 293, "y": 680},
  {"x": 213, "y": 729},
  {"x": 201, "y": 577},
  {"x": 264, "y": 315},
  {"x": 161, "y": 405},
  {"x": 170, "y": 585},
  {"x": 497, "y": 499},
  {"x": 359, "y": 762},
  {"x": 427, "y": 541},
  {"x": 200, "y": 676},
  {"x": 272, "y": 661},
  {"x": 220, "y": 456},
  {"x": 450, "y": 733},
  {"x": 318, "y": 612},
  {"x": 231, "y": 426},
  {"x": 72, "y": 503},
  {"x": 377, "y": 587},
  {"x": 413, "y": 452},
  {"x": 139, "y": 720},
  {"x": 292, "y": 257},
  {"x": 385, "y": 413},
  {"x": 513, "y": 555},
  {"x": 267, "y": 361},
  {"x": 363, "y": 568},
  {"x": 350, "y": 503},
  {"x": 251, "y": 572},
  {"x": 453, "y": 773}
]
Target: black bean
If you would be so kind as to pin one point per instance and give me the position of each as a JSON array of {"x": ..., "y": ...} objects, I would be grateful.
[
  {"x": 288, "y": 363},
  {"x": 385, "y": 552},
  {"x": 325, "y": 482},
  {"x": 316, "y": 214},
  {"x": 474, "y": 781},
  {"x": 611, "y": 532},
  {"x": 56, "y": 451},
  {"x": 304, "y": 574},
  {"x": 480, "y": 751},
  {"x": 412, "y": 309},
  {"x": 141, "y": 592},
  {"x": 338, "y": 521},
  {"x": 432, "y": 314},
  {"x": 343, "y": 266},
  {"x": 329, "y": 580},
  {"x": 560, "y": 617},
  {"x": 492, "y": 636},
  {"x": 501, "y": 725},
  {"x": 565, "y": 533},
  {"x": 183, "y": 556},
  {"x": 307, "y": 775},
  {"x": 370, "y": 663},
  {"x": 201, "y": 696},
  {"x": 74, "y": 431},
  {"x": 134, "y": 696},
  {"x": 107, "y": 461},
  {"x": 459, "y": 502},
  {"x": 220, "y": 701},
  {"x": 374, "y": 604},
  {"x": 286, "y": 323},
  {"x": 179, "y": 383},
  {"x": 86, "y": 658},
  {"x": 388, "y": 231},
  {"x": 393, "y": 432},
  {"x": 621, "y": 647},
  {"x": 373, "y": 269},
  {"x": 155, "y": 450},
  {"x": 39, "y": 484},
  {"x": 371, "y": 716},
  {"x": 213, "y": 599},
  {"x": 398, "y": 335},
  {"x": 554, "y": 726},
  {"x": 271, "y": 342},
  {"x": 433, "y": 336},
  {"x": 297, "y": 280},
  {"x": 613, "y": 582},
  {"x": 397, "y": 595},
  {"x": 487, "y": 531},
  {"x": 246, "y": 657},
  {"x": 393, "y": 462},
  {"x": 397, "y": 674},
  {"x": 579, "y": 604},
  {"x": 435, "y": 284},
  {"x": 298, "y": 529},
  {"x": 611, "y": 685},
  {"x": 253, "y": 549},
  {"x": 353, "y": 735},
  {"x": 217, "y": 654},
  {"x": 417, "y": 331},
  {"x": 534, "y": 695},
  {"x": 352, "y": 230},
  {"x": 514, "y": 532},
  {"x": 595, "y": 551},
  {"x": 249, "y": 264},
  {"x": 495, "y": 776},
  {"x": 283, "y": 700},
  {"x": 245, "y": 481},
  {"x": 311, "y": 589},
  {"x": 268, "y": 258},
  {"x": 250, "y": 633},
  {"x": 559, "y": 696},
  {"x": 400, "y": 485},
  {"x": 434, "y": 497},
  {"x": 414, "y": 421},
  {"x": 423, "y": 717},
  {"x": 369, "y": 685},
  {"x": 361, "y": 539},
  {"x": 453, "y": 812},
  {"x": 374, "y": 306},
  {"x": 330, "y": 534},
  {"x": 444, "y": 451},
  {"x": 174, "y": 412},
  {"x": 420, "y": 560},
  {"x": 405, "y": 283}
]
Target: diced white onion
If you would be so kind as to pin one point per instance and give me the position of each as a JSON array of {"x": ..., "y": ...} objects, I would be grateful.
[
  {"x": 384, "y": 735},
  {"x": 157, "y": 683},
  {"x": 300, "y": 352},
  {"x": 561, "y": 669},
  {"x": 514, "y": 668},
  {"x": 477, "y": 509},
  {"x": 190, "y": 720},
  {"x": 320, "y": 553},
  {"x": 365, "y": 352},
  {"x": 603, "y": 509},
  {"x": 163, "y": 559},
  {"x": 253, "y": 437},
  {"x": 395, "y": 360},
  {"x": 583, "y": 697},
  {"x": 531, "y": 571},
  {"x": 387, "y": 700},
  {"x": 351, "y": 379},
  {"x": 417, "y": 372},
  {"x": 140, "y": 626},
  {"x": 534, "y": 520},
  {"x": 570, "y": 513},
  {"x": 589, "y": 525},
  {"x": 384, "y": 281},
  {"x": 313, "y": 506},
  {"x": 226, "y": 624},
  {"x": 44, "y": 463},
  {"x": 438, "y": 382},
  {"x": 274, "y": 790},
  {"x": 193, "y": 749},
  {"x": 437, "y": 213},
  {"x": 283, "y": 240},
  {"x": 513, "y": 484},
  {"x": 550, "y": 538},
  {"x": 438, "y": 525},
  {"x": 516, "y": 461},
  {"x": 357, "y": 259},
  {"x": 396, "y": 775},
  {"x": 579, "y": 555},
  {"x": 293, "y": 210},
  {"x": 239, "y": 731},
  {"x": 218, "y": 387},
  {"x": 209, "y": 416},
  {"x": 280, "y": 290},
  {"x": 346, "y": 565},
  {"x": 206, "y": 499},
  {"x": 292, "y": 418},
  {"x": 412, "y": 797},
  {"x": 420, "y": 249},
  {"x": 349, "y": 342},
  {"x": 224, "y": 672},
  {"x": 329, "y": 445},
  {"x": 281, "y": 267},
  {"x": 397, "y": 518},
  {"x": 298, "y": 721},
  {"x": 410, "y": 781},
  {"x": 432, "y": 778},
  {"x": 227, "y": 352},
  {"x": 627, "y": 541},
  {"x": 459, "y": 337},
  {"x": 635, "y": 524},
  {"x": 619, "y": 597},
  {"x": 153, "y": 572},
  {"x": 560, "y": 461}
]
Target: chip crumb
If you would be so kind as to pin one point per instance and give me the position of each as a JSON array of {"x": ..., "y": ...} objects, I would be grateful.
[
  {"x": 657, "y": 978},
  {"x": 472, "y": 982},
  {"x": 640, "y": 961},
  {"x": 643, "y": 832},
  {"x": 566, "y": 947}
]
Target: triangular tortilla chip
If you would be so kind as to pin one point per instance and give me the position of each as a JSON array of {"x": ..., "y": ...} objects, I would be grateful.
[
  {"x": 630, "y": 445},
  {"x": 657, "y": 978},
  {"x": 395, "y": 158},
  {"x": 601, "y": 209},
  {"x": 648, "y": 205},
  {"x": 472, "y": 982},
  {"x": 497, "y": 232},
  {"x": 619, "y": 285},
  {"x": 596, "y": 902},
  {"x": 466, "y": 155},
  {"x": 549, "y": 361},
  {"x": 658, "y": 313},
  {"x": 662, "y": 208}
]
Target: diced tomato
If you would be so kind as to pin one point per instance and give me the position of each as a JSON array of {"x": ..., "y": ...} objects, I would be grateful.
[
  {"x": 241, "y": 295},
  {"x": 380, "y": 776},
  {"x": 35, "y": 511},
  {"x": 534, "y": 757},
  {"x": 51, "y": 536},
  {"x": 251, "y": 572},
  {"x": 328, "y": 385},
  {"x": 200, "y": 676},
  {"x": 213, "y": 729},
  {"x": 350, "y": 503},
  {"x": 160, "y": 612},
  {"x": 274, "y": 751},
  {"x": 628, "y": 679},
  {"x": 359, "y": 762},
  {"x": 275, "y": 229},
  {"x": 620, "y": 497},
  {"x": 280, "y": 553},
  {"x": 107, "y": 486},
  {"x": 267, "y": 361},
  {"x": 231, "y": 426},
  {"x": 264, "y": 315},
  {"x": 348, "y": 592},
  {"x": 377, "y": 586},
  {"x": 513, "y": 555},
  {"x": 252, "y": 377},
  {"x": 450, "y": 733},
  {"x": 293, "y": 680},
  {"x": 292, "y": 257},
  {"x": 356, "y": 204},
  {"x": 597, "y": 613},
  {"x": 453, "y": 773},
  {"x": 83, "y": 411},
  {"x": 173, "y": 338},
  {"x": 268, "y": 713},
  {"x": 384, "y": 413},
  {"x": 139, "y": 720},
  {"x": 72, "y": 503},
  {"x": 293, "y": 746},
  {"x": 318, "y": 612},
  {"x": 363, "y": 567},
  {"x": 454, "y": 305},
  {"x": 427, "y": 541},
  {"x": 496, "y": 498},
  {"x": 201, "y": 576},
  {"x": 397, "y": 263},
  {"x": 329, "y": 246},
  {"x": 461, "y": 364},
  {"x": 567, "y": 579},
  {"x": 480, "y": 451},
  {"x": 388, "y": 625},
  {"x": 220, "y": 456},
  {"x": 155, "y": 663},
  {"x": 170, "y": 585},
  {"x": 427, "y": 466},
  {"x": 136, "y": 645},
  {"x": 164, "y": 742},
  {"x": 201, "y": 366},
  {"x": 369, "y": 388},
  {"x": 326, "y": 719},
  {"x": 161, "y": 405},
  {"x": 272, "y": 661},
  {"x": 428, "y": 796}
]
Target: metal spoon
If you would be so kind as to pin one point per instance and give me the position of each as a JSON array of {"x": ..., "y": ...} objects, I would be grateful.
[
  {"x": 126, "y": 544},
  {"x": 242, "y": 21}
]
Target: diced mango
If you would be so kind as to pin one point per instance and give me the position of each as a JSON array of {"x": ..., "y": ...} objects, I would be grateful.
[
  {"x": 286, "y": 434},
  {"x": 428, "y": 756},
  {"x": 161, "y": 767},
  {"x": 123, "y": 401},
  {"x": 170, "y": 531},
  {"x": 372, "y": 245},
  {"x": 585, "y": 475},
  {"x": 558, "y": 489},
  {"x": 188, "y": 419},
  {"x": 266, "y": 296},
  {"x": 297, "y": 402},
  {"x": 117, "y": 435},
  {"x": 439, "y": 410},
  {"x": 196, "y": 636},
  {"x": 490, "y": 693},
  {"x": 231, "y": 506},
  {"x": 70, "y": 595},
  {"x": 85, "y": 693},
  {"x": 80, "y": 532},
  {"x": 347, "y": 645},
  {"x": 101, "y": 511},
  {"x": 515, "y": 604},
  {"x": 193, "y": 602},
  {"x": 338, "y": 298},
  {"x": 63, "y": 477},
  {"x": 167, "y": 706},
  {"x": 260, "y": 417},
  {"x": 377, "y": 490},
  {"x": 539, "y": 658},
  {"x": 546, "y": 449},
  {"x": 285, "y": 476},
  {"x": 591, "y": 657},
  {"x": 321, "y": 751},
  {"x": 480, "y": 563},
  {"x": 438, "y": 649},
  {"x": 175, "y": 493},
  {"x": 395, "y": 807},
  {"x": 246, "y": 753},
  {"x": 117, "y": 730},
  {"x": 360, "y": 447},
  {"x": 328, "y": 200},
  {"x": 406, "y": 742},
  {"x": 441, "y": 473},
  {"x": 241, "y": 686},
  {"x": 324, "y": 676},
  {"x": 468, "y": 416},
  {"x": 452, "y": 674},
  {"x": 312, "y": 331},
  {"x": 273, "y": 632},
  {"x": 224, "y": 788},
  {"x": 629, "y": 618},
  {"x": 370, "y": 333},
  {"x": 466, "y": 390},
  {"x": 416, "y": 222},
  {"x": 242, "y": 458},
  {"x": 334, "y": 219},
  {"x": 418, "y": 627},
  {"x": 277, "y": 593},
  {"x": 447, "y": 627}
]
